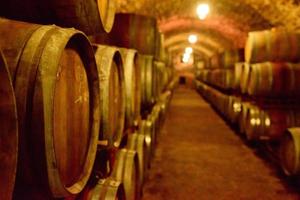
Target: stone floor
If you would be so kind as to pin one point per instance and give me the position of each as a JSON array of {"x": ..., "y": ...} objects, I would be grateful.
[{"x": 200, "y": 157}]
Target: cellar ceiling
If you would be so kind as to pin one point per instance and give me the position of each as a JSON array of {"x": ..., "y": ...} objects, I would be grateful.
[{"x": 226, "y": 26}]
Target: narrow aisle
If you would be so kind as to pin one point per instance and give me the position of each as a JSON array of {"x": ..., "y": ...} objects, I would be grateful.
[{"x": 199, "y": 157}]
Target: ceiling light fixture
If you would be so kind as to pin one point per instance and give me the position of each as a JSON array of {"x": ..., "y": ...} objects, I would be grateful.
[
  {"x": 202, "y": 11},
  {"x": 186, "y": 58},
  {"x": 189, "y": 50},
  {"x": 192, "y": 39}
]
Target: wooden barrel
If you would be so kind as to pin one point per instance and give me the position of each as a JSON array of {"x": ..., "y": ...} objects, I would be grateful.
[
  {"x": 199, "y": 74},
  {"x": 132, "y": 87},
  {"x": 269, "y": 123},
  {"x": 173, "y": 83},
  {"x": 147, "y": 83},
  {"x": 224, "y": 105},
  {"x": 154, "y": 117},
  {"x": 44, "y": 61},
  {"x": 170, "y": 74},
  {"x": 164, "y": 102},
  {"x": 238, "y": 67},
  {"x": 274, "y": 80},
  {"x": 8, "y": 134},
  {"x": 105, "y": 189},
  {"x": 224, "y": 98},
  {"x": 147, "y": 129},
  {"x": 222, "y": 78},
  {"x": 126, "y": 170},
  {"x": 215, "y": 61},
  {"x": 137, "y": 142},
  {"x": 87, "y": 15},
  {"x": 230, "y": 57},
  {"x": 272, "y": 45},
  {"x": 243, "y": 116},
  {"x": 112, "y": 96},
  {"x": 162, "y": 78},
  {"x": 235, "y": 108},
  {"x": 274, "y": 122},
  {"x": 134, "y": 31},
  {"x": 228, "y": 79},
  {"x": 289, "y": 151},
  {"x": 244, "y": 78},
  {"x": 253, "y": 123},
  {"x": 206, "y": 75},
  {"x": 160, "y": 51},
  {"x": 103, "y": 165}
]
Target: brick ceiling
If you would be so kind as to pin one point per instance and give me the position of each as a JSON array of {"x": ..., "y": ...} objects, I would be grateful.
[{"x": 226, "y": 26}]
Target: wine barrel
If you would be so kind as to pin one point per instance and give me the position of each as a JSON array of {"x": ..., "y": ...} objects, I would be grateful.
[
  {"x": 87, "y": 15},
  {"x": 170, "y": 74},
  {"x": 202, "y": 75},
  {"x": 224, "y": 105},
  {"x": 222, "y": 78},
  {"x": 44, "y": 62},
  {"x": 215, "y": 61},
  {"x": 8, "y": 134},
  {"x": 147, "y": 83},
  {"x": 112, "y": 96},
  {"x": 161, "y": 80},
  {"x": 154, "y": 117},
  {"x": 253, "y": 123},
  {"x": 230, "y": 57},
  {"x": 136, "y": 142},
  {"x": 135, "y": 31},
  {"x": 235, "y": 108},
  {"x": 272, "y": 45},
  {"x": 243, "y": 116},
  {"x": 105, "y": 189},
  {"x": 147, "y": 130},
  {"x": 238, "y": 67},
  {"x": 271, "y": 79},
  {"x": 270, "y": 123},
  {"x": 289, "y": 151},
  {"x": 206, "y": 75},
  {"x": 228, "y": 79},
  {"x": 274, "y": 122},
  {"x": 244, "y": 82},
  {"x": 132, "y": 87},
  {"x": 160, "y": 51},
  {"x": 126, "y": 170},
  {"x": 173, "y": 82},
  {"x": 164, "y": 102}
]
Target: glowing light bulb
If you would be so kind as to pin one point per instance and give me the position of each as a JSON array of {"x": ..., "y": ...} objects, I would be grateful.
[
  {"x": 192, "y": 39},
  {"x": 189, "y": 50},
  {"x": 186, "y": 58},
  {"x": 202, "y": 10}
]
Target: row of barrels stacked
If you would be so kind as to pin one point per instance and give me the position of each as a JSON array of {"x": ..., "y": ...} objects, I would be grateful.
[
  {"x": 80, "y": 107},
  {"x": 265, "y": 91}
]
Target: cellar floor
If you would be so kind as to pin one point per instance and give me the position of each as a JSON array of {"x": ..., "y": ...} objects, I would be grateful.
[{"x": 200, "y": 157}]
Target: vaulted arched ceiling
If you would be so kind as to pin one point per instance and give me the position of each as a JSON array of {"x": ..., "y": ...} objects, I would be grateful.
[{"x": 226, "y": 26}]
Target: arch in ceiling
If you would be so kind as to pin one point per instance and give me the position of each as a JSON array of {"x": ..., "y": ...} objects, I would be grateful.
[
  {"x": 212, "y": 27},
  {"x": 255, "y": 13},
  {"x": 232, "y": 19},
  {"x": 178, "y": 53},
  {"x": 203, "y": 37},
  {"x": 198, "y": 48},
  {"x": 185, "y": 44}
]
